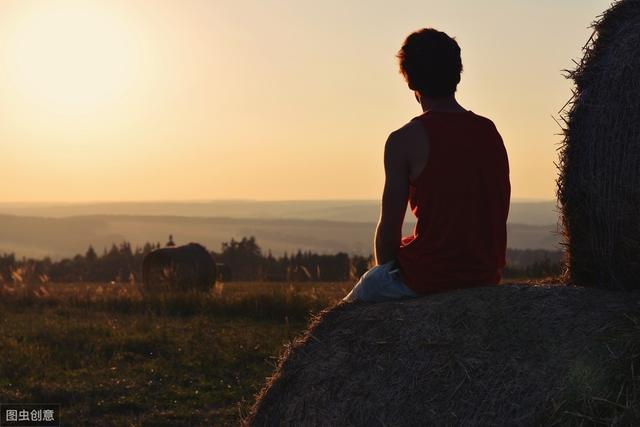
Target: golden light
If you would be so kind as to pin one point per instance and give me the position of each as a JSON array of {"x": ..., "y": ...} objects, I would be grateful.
[{"x": 70, "y": 57}]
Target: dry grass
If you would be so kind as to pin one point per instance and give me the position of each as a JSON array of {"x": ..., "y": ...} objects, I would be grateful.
[
  {"x": 599, "y": 181},
  {"x": 508, "y": 355},
  {"x": 241, "y": 299}
]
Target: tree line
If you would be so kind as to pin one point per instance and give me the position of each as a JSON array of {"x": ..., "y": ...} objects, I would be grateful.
[{"x": 243, "y": 258}]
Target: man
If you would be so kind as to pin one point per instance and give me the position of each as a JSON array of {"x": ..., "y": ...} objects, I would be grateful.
[{"x": 451, "y": 165}]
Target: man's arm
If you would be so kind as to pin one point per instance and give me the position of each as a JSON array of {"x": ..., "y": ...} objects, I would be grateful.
[{"x": 394, "y": 199}]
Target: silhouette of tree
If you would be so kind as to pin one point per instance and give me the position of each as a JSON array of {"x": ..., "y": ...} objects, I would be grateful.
[{"x": 245, "y": 261}]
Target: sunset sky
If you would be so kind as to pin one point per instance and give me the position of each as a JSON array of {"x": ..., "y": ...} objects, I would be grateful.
[{"x": 186, "y": 100}]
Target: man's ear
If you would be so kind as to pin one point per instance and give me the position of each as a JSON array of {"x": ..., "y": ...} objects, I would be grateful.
[{"x": 417, "y": 95}]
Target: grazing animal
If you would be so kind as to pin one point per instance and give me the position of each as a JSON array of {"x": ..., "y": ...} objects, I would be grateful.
[{"x": 186, "y": 267}]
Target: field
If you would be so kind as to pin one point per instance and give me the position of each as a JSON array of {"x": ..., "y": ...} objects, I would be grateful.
[{"x": 111, "y": 357}]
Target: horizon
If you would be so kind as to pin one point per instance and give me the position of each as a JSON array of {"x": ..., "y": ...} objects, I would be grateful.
[{"x": 252, "y": 200}]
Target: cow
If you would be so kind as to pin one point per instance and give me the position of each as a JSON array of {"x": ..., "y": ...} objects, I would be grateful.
[{"x": 186, "y": 267}]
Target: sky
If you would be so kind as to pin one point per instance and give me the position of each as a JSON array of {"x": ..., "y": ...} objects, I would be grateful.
[{"x": 268, "y": 100}]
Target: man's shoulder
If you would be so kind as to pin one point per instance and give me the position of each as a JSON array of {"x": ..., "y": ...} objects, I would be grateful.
[
  {"x": 410, "y": 131},
  {"x": 485, "y": 121},
  {"x": 488, "y": 128}
]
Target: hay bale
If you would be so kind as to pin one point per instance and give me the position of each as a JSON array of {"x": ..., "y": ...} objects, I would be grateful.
[
  {"x": 506, "y": 355},
  {"x": 599, "y": 182}
]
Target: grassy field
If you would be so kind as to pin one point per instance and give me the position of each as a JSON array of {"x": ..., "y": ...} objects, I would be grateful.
[{"x": 111, "y": 357}]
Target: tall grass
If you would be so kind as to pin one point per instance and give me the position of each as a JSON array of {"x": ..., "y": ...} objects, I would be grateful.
[{"x": 259, "y": 301}]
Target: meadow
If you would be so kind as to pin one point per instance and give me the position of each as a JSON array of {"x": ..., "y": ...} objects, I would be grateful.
[{"x": 109, "y": 356}]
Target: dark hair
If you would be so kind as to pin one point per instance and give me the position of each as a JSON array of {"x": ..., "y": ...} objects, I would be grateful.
[{"x": 430, "y": 63}]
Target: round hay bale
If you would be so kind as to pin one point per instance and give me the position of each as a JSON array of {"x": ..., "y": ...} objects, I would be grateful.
[
  {"x": 505, "y": 355},
  {"x": 188, "y": 267},
  {"x": 599, "y": 181}
]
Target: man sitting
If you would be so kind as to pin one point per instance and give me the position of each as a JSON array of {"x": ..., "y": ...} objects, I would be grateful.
[{"x": 451, "y": 165}]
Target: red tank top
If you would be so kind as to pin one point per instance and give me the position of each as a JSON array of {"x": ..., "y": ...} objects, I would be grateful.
[{"x": 461, "y": 201}]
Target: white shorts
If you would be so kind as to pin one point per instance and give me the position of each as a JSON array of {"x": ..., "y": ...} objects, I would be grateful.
[{"x": 380, "y": 283}]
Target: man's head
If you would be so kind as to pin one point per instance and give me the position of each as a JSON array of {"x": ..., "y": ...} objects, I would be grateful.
[{"x": 430, "y": 63}]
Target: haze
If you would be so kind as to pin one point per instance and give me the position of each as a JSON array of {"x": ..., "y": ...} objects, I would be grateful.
[{"x": 166, "y": 100}]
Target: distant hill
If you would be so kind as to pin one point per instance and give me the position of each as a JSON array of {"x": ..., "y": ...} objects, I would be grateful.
[
  {"x": 532, "y": 213},
  {"x": 66, "y": 236}
]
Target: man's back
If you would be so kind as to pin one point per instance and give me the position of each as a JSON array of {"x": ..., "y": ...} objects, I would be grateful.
[
  {"x": 451, "y": 166},
  {"x": 460, "y": 194}
]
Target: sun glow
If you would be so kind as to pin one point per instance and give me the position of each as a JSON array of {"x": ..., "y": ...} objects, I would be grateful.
[
  {"x": 69, "y": 57},
  {"x": 264, "y": 99}
]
